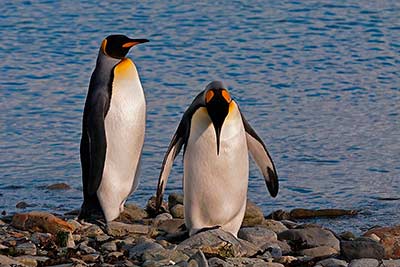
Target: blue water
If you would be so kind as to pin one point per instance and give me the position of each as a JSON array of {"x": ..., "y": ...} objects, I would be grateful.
[{"x": 319, "y": 81}]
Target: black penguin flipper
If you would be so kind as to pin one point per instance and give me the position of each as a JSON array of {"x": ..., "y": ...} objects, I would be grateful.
[
  {"x": 262, "y": 158},
  {"x": 97, "y": 143},
  {"x": 178, "y": 140}
]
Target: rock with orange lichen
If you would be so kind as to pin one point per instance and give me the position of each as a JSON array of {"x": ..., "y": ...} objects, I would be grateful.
[
  {"x": 389, "y": 237},
  {"x": 37, "y": 221}
]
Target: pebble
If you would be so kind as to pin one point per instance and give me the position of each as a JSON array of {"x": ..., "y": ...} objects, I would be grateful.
[
  {"x": 362, "y": 248},
  {"x": 109, "y": 246},
  {"x": 322, "y": 251},
  {"x": 258, "y": 236},
  {"x": 331, "y": 262},
  {"x": 26, "y": 249},
  {"x": 58, "y": 186},
  {"x": 119, "y": 229},
  {"x": 92, "y": 230},
  {"x": 177, "y": 211},
  {"x": 310, "y": 237},
  {"x": 273, "y": 225},
  {"x": 174, "y": 199},
  {"x": 253, "y": 215},
  {"x": 86, "y": 249},
  {"x": 364, "y": 263}
]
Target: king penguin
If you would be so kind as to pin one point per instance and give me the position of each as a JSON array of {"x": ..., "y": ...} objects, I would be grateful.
[
  {"x": 113, "y": 130},
  {"x": 217, "y": 140}
]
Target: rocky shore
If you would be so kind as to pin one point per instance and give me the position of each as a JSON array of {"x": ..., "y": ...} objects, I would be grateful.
[{"x": 139, "y": 237}]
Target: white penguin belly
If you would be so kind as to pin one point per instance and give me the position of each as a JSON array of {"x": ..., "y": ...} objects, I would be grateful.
[
  {"x": 125, "y": 127},
  {"x": 215, "y": 186}
]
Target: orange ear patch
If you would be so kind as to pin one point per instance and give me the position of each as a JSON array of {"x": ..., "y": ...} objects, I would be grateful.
[
  {"x": 226, "y": 95},
  {"x": 209, "y": 96},
  {"x": 103, "y": 46}
]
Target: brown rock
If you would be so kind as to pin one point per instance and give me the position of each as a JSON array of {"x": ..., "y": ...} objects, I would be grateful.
[
  {"x": 273, "y": 225},
  {"x": 131, "y": 214},
  {"x": 322, "y": 251},
  {"x": 310, "y": 237},
  {"x": 37, "y": 221},
  {"x": 177, "y": 211},
  {"x": 218, "y": 243},
  {"x": 253, "y": 215},
  {"x": 174, "y": 199},
  {"x": 58, "y": 186},
  {"x": 8, "y": 261},
  {"x": 171, "y": 226},
  {"x": 118, "y": 229},
  {"x": 307, "y": 213},
  {"x": 389, "y": 239}
]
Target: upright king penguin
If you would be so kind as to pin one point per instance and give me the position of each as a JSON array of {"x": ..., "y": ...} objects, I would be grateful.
[
  {"x": 113, "y": 130},
  {"x": 216, "y": 139}
]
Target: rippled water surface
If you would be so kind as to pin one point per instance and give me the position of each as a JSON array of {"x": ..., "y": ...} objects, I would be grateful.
[{"x": 319, "y": 81}]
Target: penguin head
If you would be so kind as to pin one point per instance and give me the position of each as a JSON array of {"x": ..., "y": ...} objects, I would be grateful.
[
  {"x": 118, "y": 45},
  {"x": 217, "y": 99}
]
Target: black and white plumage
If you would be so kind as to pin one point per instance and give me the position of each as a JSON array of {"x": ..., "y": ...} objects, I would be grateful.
[
  {"x": 217, "y": 140},
  {"x": 112, "y": 131}
]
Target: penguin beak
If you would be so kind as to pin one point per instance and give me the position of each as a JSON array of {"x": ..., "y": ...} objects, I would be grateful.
[
  {"x": 133, "y": 42},
  {"x": 217, "y": 104}
]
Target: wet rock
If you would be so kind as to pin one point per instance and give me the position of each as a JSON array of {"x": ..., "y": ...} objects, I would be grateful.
[
  {"x": 151, "y": 207},
  {"x": 131, "y": 213},
  {"x": 218, "y": 243},
  {"x": 287, "y": 260},
  {"x": 102, "y": 238},
  {"x": 310, "y": 237},
  {"x": 307, "y": 213},
  {"x": 174, "y": 199},
  {"x": 42, "y": 238},
  {"x": 164, "y": 254},
  {"x": 23, "y": 205},
  {"x": 271, "y": 251},
  {"x": 7, "y": 261},
  {"x": 86, "y": 249},
  {"x": 364, "y": 263},
  {"x": 118, "y": 229},
  {"x": 171, "y": 226},
  {"x": 58, "y": 186},
  {"x": 273, "y": 225},
  {"x": 198, "y": 259},
  {"x": 253, "y": 215},
  {"x": 217, "y": 262},
  {"x": 27, "y": 248},
  {"x": 92, "y": 231},
  {"x": 389, "y": 239},
  {"x": 289, "y": 224},
  {"x": 258, "y": 236},
  {"x": 37, "y": 221},
  {"x": 362, "y": 248},
  {"x": 322, "y": 251},
  {"x": 177, "y": 211},
  {"x": 347, "y": 236},
  {"x": 90, "y": 258},
  {"x": 74, "y": 223},
  {"x": 115, "y": 254},
  {"x": 246, "y": 262},
  {"x": 331, "y": 262},
  {"x": 162, "y": 217},
  {"x": 109, "y": 246},
  {"x": 136, "y": 251},
  {"x": 33, "y": 261},
  {"x": 390, "y": 263}
]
